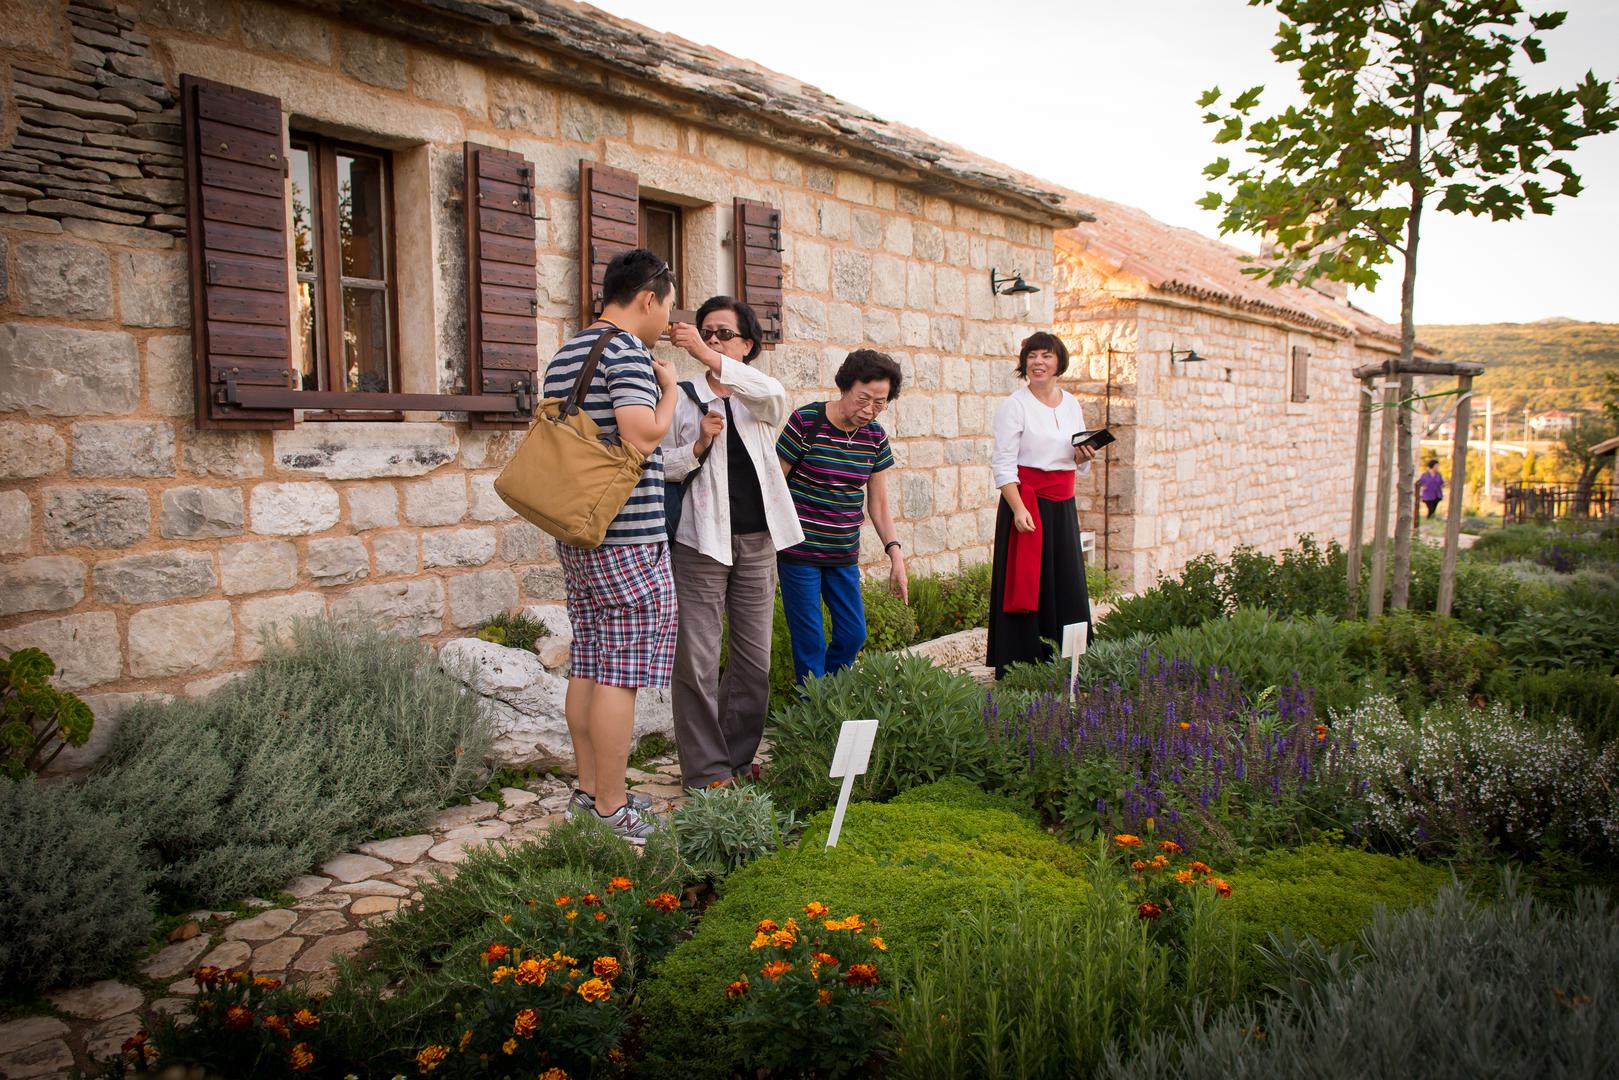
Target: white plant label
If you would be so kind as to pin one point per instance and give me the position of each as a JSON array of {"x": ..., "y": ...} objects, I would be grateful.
[
  {"x": 1074, "y": 642},
  {"x": 849, "y": 760}
]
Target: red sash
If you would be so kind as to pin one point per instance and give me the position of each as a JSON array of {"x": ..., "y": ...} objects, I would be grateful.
[{"x": 1023, "y": 549}]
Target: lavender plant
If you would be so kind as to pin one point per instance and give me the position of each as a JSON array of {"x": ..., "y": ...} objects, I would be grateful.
[{"x": 1184, "y": 756}]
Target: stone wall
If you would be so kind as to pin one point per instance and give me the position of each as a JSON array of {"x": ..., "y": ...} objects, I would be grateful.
[{"x": 150, "y": 557}]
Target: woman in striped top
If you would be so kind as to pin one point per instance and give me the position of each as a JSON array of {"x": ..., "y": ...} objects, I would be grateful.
[{"x": 835, "y": 454}]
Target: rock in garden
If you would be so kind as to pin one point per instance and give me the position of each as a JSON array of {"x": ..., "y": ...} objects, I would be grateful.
[
  {"x": 399, "y": 849},
  {"x": 98, "y": 1001},
  {"x": 271, "y": 924},
  {"x": 172, "y": 960},
  {"x": 354, "y": 867}
]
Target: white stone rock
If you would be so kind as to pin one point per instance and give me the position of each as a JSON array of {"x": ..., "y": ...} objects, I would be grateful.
[
  {"x": 306, "y": 885},
  {"x": 413, "y": 608},
  {"x": 201, "y": 689},
  {"x": 234, "y": 454},
  {"x": 482, "y": 830},
  {"x": 479, "y": 596},
  {"x": 515, "y": 797},
  {"x": 276, "y": 955},
  {"x": 454, "y": 817},
  {"x": 438, "y": 500},
  {"x": 98, "y": 1001},
  {"x": 16, "y": 523},
  {"x": 396, "y": 553},
  {"x": 271, "y": 618},
  {"x": 85, "y": 647},
  {"x": 371, "y": 888},
  {"x": 351, "y": 867},
  {"x": 458, "y": 547},
  {"x": 153, "y": 289},
  {"x": 486, "y": 505},
  {"x": 172, "y": 960},
  {"x": 162, "y": 575},
  {"x": 262, "y": 927},
  {"x": 372, "y": 506},
  {"x": 195, "y": 511},
  {"x": 57, "y": 371},
  {"x": 399, "y": 849},
  {"x": 123, "y": 448},
  {"x": 20, "y": 1034},
  {"x": 320, "y": 955},
  {"x": 344, "y": 451},
  {"x": 337, "y": 560},
  {"x": 228, "y": 954},
  {"x": 294, "y": 509},
  {"x": 48, "y": 1058},
  {"x": 375, "y": 905},
  {"x": 30, "y": 450},
  {"x": 258, "y": 566},
  {"x": 181, "y": 640}
]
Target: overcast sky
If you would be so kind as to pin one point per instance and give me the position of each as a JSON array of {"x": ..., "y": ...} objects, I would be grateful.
[{"x": 1100, "y": 96}]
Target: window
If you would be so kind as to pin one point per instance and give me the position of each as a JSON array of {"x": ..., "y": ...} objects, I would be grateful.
[
  {"x": 342, "y": 239},
  {"x": 660, "y": 234},
  {"x": 1300, "y": 374}
]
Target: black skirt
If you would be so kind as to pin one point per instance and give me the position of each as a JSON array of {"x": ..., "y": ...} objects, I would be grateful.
[{"x": 1025, "y": 636}]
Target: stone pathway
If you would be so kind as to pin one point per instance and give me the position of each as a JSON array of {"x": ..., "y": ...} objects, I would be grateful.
[{"x": 329, "y": 918}]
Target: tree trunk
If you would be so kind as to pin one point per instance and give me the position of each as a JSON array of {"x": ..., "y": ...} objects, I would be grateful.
[
  {"x": 1405, "y": 459},
  {"x": 1405, "y": 496}
]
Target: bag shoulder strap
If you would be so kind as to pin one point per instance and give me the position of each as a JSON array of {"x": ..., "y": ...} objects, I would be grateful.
[
  {"x": 820, "y": 424},
  {"x": 587, "y": 372},
  {"x": 691, "y": 392}
]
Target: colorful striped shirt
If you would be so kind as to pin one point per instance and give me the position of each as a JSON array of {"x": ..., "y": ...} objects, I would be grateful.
[
  {"x": 830, "y": 470},
  {"x": 623, "y": 377}
]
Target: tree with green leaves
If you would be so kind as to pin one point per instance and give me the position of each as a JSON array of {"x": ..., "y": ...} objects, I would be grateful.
[{"x": 1407, "y": 105}]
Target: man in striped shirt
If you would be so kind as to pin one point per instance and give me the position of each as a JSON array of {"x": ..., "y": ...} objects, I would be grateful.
[
  {"x": 621, "y": 595},
  {"x": 835, "y": 455}
]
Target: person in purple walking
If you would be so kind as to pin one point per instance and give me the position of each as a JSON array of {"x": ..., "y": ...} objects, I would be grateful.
[{"x": 1431, "y": 486}]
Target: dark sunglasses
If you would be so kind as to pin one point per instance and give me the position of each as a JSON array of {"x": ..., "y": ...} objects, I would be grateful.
[
  {"x": 663, "y": 271},
  {"x": 724, "y": 333}
]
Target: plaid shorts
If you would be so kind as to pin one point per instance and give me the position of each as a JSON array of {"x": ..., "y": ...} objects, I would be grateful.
[{"x": 621, "y": 601}]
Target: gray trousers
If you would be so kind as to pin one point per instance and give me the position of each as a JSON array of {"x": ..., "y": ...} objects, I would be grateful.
[{"x": 719, "y": 721}]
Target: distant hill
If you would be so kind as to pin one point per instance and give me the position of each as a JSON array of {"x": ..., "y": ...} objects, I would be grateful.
[{"x": 1551, "y": 364}]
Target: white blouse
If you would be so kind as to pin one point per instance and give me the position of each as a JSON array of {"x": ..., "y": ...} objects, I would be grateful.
[{"x": 1030, "y": 433}]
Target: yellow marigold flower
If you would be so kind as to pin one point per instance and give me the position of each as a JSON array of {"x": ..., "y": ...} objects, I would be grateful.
[
  {"x": 1159, "y": 862},
  {"x": 500, "y": 974},
  {"x": 1184, "y": 877},
  {"x": 1169, "y": 846},
  {"x": 572, "y": 915},
  {"x": 823, "y": 997},
  {"x": 525, "y": 1023},
  {"x": 760, "y": 941},
  {"x": 466, "y": 1040},
  {"x": 877, "y": 943},
  {"x": 816, "y": 910},
  {"x": 852, "y": 922},
  {"x": 665, "y": 902},
  {"x": 530, "y": 973},
  {"x": 498, "y": 951},
  {"x": 736, "y": 989},
  {"x": 620, "y": 884},
  {"x": 238, "y": 1017},
  {"x": 1199, "y": 867},
  {"x": 607, "y": 967},
  {"x": 431, "y": 1057},
  {"x": 775, "y": 969},
  {"x": 862, "y": 975},
  {"x": 564, "y": 901},
  {"x": 300, "y": 1057},
  {"x": 594, "y": 990},
  {"x": 264, "y": 982},
  {"x": 276, "y": 1025},
  {"x": 766, "y": 926},
  {"x": 509, "y": 1047},
  {"x": 783, "y": 939},
  {"x": 1148, "y": 910},
  {"x": 1127, "y": 840}
]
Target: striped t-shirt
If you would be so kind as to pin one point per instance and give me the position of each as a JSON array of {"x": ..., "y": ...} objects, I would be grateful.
[
  {"x": 623, "y": 377},
  {"x": 830, "y": 468}
]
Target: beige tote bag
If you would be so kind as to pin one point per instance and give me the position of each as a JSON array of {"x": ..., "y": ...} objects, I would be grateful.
[{"x": 567, "y": 477}]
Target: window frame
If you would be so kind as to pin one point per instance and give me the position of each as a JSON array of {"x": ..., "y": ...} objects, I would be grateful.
[
  {"x": 677, "y": 246},
  {"x": 324, "y": 151}
]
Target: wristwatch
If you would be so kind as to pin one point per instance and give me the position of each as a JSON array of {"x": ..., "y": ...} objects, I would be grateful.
[{"x": 891, "y": 545}]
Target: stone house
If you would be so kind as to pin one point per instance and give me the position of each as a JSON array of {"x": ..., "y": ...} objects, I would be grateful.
[
  {"x": 1248, "y": 440},
  {"x": 277, "y": 279}
]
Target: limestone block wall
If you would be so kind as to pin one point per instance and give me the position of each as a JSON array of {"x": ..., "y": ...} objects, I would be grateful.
[{"x": 150, "y": 557}]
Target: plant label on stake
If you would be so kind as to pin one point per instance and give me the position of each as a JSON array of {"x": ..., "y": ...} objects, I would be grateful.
[
  {"x": 1074, "y": 642},
  {"x": 849, "y": 760}
]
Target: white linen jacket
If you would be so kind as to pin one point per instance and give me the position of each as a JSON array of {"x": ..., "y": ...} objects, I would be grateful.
[{"x": 759, "y": 408}]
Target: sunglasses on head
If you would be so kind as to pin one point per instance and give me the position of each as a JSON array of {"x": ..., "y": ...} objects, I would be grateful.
[
  {"x": 724, "y": 333},
  {"x": 663, "y": 271}
]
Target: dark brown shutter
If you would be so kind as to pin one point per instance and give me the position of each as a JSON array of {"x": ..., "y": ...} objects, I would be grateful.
[
  {"x": 609, "y": 213},
  {"x": 757, "y": 243},
  {"x": 502, "y": 298},
  {"x": 236, "y": 225},
  {"x": 1301, "y": 373}
]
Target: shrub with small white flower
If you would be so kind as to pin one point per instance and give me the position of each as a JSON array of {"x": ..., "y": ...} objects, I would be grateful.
[{"x": 1460, "y": 774}]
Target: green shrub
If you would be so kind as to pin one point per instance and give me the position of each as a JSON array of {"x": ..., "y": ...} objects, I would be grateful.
[
  {"x": 929, "y": 726},
  {"x": 961, "y": 794},
  {"x": 1328, "y": 893},
  {"x": 1035, "y": 994},
  {"x": 1530, "y": 541},
  {"x": 346, "y": 733},
  {"x": 513, "y": 631},
  {"x": 73, "y": 899},
  {"x": 948, "y": 603},
  {"x": 1488, "y": 598},
  {"x": 890, "y": 624},
  {"x": 1567, "y": 634},
  {"x": 1188, "y": 600},
  {"x": 1453, "y": 990},
  {"x": 913, "y": 867},
  {"x": 724, "y": 828},
  {"x": 1107, "y": 661},
  {"x": 37, "y": 721},
  {"x": 1435, "y": 654},
  {"x": 1101, "y": 585},
  {"x": 1264, "y": 651},
  {"x": 1589, "y": 698}
]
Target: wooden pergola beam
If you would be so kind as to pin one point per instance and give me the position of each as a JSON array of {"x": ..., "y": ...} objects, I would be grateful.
[{"x": 1420, "y": 367}]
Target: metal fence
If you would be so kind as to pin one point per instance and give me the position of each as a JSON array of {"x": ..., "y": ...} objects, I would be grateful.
[{"x": 1541, "y": 501}]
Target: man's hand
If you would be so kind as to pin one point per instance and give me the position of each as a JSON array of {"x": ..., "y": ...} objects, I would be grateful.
[
  {"x": 897, "y": 579},
  {"x": 713, "y": 423},
  {"x": 665, "y": 373}
]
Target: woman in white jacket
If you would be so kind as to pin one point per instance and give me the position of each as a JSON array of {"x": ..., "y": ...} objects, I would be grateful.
[{"x": 736, "y": 514}]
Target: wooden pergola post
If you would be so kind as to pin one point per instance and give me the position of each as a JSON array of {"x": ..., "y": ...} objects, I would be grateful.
[
  {"x": 1385, "y": 492},
  {"x": 1357, "y": 520},
  {"x": 1458, "y": 486}
]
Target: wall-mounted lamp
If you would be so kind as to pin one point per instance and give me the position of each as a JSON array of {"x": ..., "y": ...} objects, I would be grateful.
[
  {"x": 1013, "y": 286},
  {"x": 1188, "y": 356}
]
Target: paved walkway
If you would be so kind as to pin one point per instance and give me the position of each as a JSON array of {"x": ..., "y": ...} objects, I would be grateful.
[{"x": 328, "y": 919}]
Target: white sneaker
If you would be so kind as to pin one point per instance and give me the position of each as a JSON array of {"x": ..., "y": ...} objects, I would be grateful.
[{"x": 632, "y": 824}]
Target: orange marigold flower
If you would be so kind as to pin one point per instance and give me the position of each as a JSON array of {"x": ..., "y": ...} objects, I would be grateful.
[
  {"x": 1148, "y": 910},
  {"x": 1159, "y": 862},
  {"x": 1222, "y": 887},
  {"x": 825, "y": 958},
  {"x": 1138, "y": 866},
  {"x": 601, "y": 916},
  {"x": 877, "y": 943},
  {"x": 783, "y": 939},
  {"x": 775, "y": 969},
  {"x": 760, "y": 941},
  {"x": 466, "y": 1040},
  {"x": 862, "y": 975},
  {"x": 276, "y": 1025},
  {"x": 665, "y": 902},
  {"x": 509, "y": 1047},
  {"x": 1127, "y": 840},
  {"x": 138, "y": 1040},
  {"x": 1184, "y": 877},
  {"x": 620, "y": 884},
  {"x": 525, "y": 1023},
  {"x": 607, "y": 967},
  {"x": 766, "y": 926},
  {"x": 506, "y": 918},
  {"x": 737, "y": 989},
  {"x": 615, "y": 1055},
  {"x": 498, "y": 951},
  {"x": 1169, "y": 846},
  {"x": 816, "y": 910},
  {"x": 554, "y": 1073},
  {"x": 429, "y": 1058},
  {"x": 594, "y": 990},
  {"x": 564, "y": 901},
  {"x": 852, "y": 922},
  {"x": 1199, "y": 868},
  {"x": 1185, "y": 726},
  {"x": 303, "y": 1018},
  {"x": 264, "y": 982},
  {"x": 206, "y": 976},
  {"x": 530, "y": 972},
  {"x": 500, "y": 974},
  {"x": 590, "y": 898},
  {"x": 823, "y": 997},
  {"x": 300, "y": 1057},
  {"x": 237, "y": 1017}
]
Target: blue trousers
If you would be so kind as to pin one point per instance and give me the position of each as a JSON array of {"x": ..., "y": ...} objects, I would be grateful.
[{"x": 803, "y": 589}]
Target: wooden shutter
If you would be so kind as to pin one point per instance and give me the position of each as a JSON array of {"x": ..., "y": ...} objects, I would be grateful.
[
  {"x": 502, "y": 297},
  {"x": 236, "y": 225},
  {"x": 609, "y": 223},
  {"x": 1301, "y": 373},
  {"x": 756, "y": 239}
]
